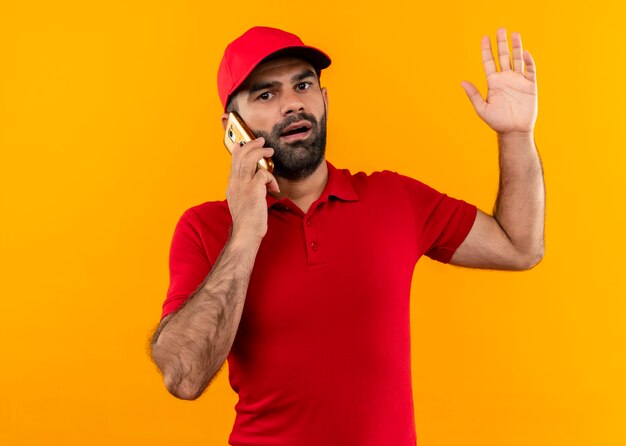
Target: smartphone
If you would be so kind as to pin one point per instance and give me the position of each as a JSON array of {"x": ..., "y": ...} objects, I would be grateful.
[{"x": 237, "y": 132}]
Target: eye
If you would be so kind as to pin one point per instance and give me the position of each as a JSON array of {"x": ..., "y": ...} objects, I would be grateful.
[
  {"x": 303, "y": 86},
  {"x": 264, "y": 96}
]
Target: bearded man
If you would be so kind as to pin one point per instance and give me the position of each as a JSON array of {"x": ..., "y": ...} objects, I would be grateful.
[{"x": 301, "y": 278}]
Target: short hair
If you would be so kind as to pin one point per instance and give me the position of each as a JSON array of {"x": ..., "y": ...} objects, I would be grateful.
[{"x": 231, "y": 106}]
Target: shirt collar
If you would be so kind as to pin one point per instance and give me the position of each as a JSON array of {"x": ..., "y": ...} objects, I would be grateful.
[{"x": 338, "y": 186}]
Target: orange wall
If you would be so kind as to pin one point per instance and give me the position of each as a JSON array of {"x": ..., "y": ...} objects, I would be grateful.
[{"x": 109, "y": 130}]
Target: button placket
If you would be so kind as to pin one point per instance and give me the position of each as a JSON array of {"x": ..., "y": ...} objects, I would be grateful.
[{"x": 312, "y": 243}]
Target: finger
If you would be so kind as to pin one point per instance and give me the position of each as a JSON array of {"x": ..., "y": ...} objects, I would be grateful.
[
  {"x": 241, "y": 153},
  {"x": 266, "y": 178},
  {"x": 239, "y": 150},
  {"x": 518, "y": 63},
  {"x": 531, "y": 71},
  {"x": 488, "y": 63},
  {"x": 250, "y": 160},
  {"x": 503, "y": 51},
  {"x": 474, "y": 96}
]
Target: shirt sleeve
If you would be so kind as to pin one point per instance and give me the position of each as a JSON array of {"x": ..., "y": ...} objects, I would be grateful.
[
  {"x": 443, "y": 222},
  {"x": 188, "y": 263}
]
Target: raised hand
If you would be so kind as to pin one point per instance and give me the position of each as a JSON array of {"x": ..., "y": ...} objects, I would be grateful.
[{"x": 511, "y": 103}]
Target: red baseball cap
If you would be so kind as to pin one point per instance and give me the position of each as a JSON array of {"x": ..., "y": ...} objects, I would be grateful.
[{"x": 257, "y": 45}]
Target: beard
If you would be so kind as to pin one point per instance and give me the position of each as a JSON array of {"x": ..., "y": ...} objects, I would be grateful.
[{"x": 299, "y": 159}]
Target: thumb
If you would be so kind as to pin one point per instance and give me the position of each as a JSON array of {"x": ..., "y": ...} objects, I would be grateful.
[
  {"x": 474, "y": 95},
  {"x": 270, "y": 182}
]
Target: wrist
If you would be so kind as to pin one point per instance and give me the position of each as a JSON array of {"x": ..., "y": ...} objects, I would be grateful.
[
  {"x": 516, "y": 135},
  {"x": 243, "y": 239},
  {"x": 519, "y": 145}
]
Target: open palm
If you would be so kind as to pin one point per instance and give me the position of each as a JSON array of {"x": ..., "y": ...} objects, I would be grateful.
[{"x": 511, "y": 103}]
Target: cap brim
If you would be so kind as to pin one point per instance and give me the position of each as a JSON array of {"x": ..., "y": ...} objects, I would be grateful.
[{"x": 315, "y": 57}]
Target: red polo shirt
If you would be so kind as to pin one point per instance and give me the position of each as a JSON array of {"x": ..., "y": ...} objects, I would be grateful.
[{"x": 322, "y": 354}]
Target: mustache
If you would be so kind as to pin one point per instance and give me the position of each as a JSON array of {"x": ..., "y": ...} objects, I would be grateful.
[{"x": 279, "y": 128}]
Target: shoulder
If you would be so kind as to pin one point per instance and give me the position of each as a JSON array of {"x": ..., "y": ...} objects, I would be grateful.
[
  {"x": 208, "y": 210},
  {"x": 210, "y": 216},
  {"x": 384, "y": 182}
]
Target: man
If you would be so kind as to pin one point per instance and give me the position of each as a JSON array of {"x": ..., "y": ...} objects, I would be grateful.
[{"x": 301, "y": 279}]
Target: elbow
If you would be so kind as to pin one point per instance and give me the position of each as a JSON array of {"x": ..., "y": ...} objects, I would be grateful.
[
  {"x": 178, "y": 382},
  {"x": 184, "y": 393},
  {"x": 183, "y": 390},
  {"x": 531, "y": 260}
]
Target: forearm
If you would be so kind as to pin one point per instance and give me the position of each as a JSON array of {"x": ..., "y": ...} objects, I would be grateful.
[
  {"x": 520, "y": 205},
  {"x": 194, "y": 343}
]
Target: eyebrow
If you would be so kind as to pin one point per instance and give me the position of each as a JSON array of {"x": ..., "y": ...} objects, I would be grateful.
[
  {"x": 304, "y": 75},
  {"x": 264, "y": 85}
]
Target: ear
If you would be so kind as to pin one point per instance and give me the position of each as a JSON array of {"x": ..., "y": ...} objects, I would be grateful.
[
  {"x": 325, "y": 96},
  {"x": 224, "y": 120}
]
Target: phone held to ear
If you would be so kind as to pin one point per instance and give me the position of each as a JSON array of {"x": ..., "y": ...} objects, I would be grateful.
[{"x": 237, "y": 132}]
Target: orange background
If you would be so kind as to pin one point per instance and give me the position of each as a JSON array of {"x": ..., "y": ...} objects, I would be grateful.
[{"x": 109, "y": 130}]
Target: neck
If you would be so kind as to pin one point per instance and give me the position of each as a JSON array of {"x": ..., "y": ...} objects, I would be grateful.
[{"x": 305, "y": 191}]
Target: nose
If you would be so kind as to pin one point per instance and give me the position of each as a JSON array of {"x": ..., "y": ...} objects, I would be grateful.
[{"x": 292, "y": 103}]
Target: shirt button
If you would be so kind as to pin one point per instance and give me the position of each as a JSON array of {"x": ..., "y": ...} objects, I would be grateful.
[
  {"x": 314, "y": 246},
  {"x": 308, "y": 222}
]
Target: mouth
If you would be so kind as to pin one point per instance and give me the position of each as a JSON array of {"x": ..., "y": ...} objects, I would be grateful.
[{"x": 296, "y": 131}]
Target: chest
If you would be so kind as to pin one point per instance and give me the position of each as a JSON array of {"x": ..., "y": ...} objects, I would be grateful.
[{"x": 347, "y": 262}]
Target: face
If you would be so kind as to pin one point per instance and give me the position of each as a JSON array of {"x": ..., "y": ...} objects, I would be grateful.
[{"x": 282, "y": 101}]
